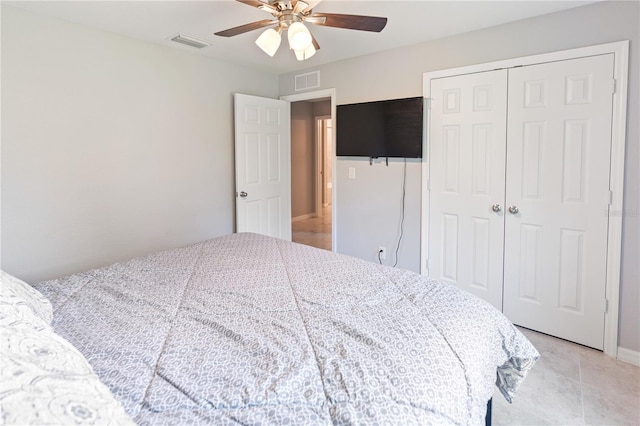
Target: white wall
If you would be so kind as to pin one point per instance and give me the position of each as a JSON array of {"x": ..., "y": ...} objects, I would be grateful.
[
  {"x": 111, "y": 147},
  {"x": 398, "y": 73},
  {"x": 370, "y": 210}
]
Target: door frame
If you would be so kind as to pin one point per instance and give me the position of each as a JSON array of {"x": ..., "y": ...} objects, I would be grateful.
[
  {"x": 620, "y": 50},
  {"x": 319, "y": 94},
  {"x": 320, "y": 140}
]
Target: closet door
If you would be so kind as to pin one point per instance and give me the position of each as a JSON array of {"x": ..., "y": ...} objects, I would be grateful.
[
  {"x": 467, "y": 168},
  {"x": 557, "y": 194}
]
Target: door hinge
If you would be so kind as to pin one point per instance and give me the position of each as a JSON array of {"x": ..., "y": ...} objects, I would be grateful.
[
  {"x": 606, "y": 306},
  {"x": 614, "y": 84},
  {"x": 610, "y": 197}
]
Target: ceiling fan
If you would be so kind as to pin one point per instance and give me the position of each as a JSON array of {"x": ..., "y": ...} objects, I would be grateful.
[{"x": 290, "y": 16}]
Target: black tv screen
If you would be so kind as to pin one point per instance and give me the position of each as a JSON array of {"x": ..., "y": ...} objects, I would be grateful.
[{"x": 391, "y": 128}]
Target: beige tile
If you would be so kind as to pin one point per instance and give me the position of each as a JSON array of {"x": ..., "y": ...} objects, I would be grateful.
[
  {"x": 553, "y": 397},
  {"x": 518, "y": 413},
  {"x": 559, "y": 356},
  {"x": 604, "y": 408},
  {"x": 555, "y": 345},
  {"x": 573, "y": 384},
  {"x": 613, "y": 377}
]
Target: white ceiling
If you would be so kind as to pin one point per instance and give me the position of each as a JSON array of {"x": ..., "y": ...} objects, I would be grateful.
[{"x": 409, "y": 22}]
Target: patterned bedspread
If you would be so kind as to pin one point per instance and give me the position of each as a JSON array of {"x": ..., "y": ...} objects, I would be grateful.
[{"x": 248, "y": 329}]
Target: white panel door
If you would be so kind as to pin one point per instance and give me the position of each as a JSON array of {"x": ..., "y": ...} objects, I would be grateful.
[
  {"x": 263, "y": 166},
  {"x": 559, "y": 141},
  {"x": 467, "y": 141}
]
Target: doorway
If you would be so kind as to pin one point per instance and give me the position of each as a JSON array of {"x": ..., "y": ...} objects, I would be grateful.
[
  {"x": 311, "y": 171},
  {"x": 324, "y": 95}
]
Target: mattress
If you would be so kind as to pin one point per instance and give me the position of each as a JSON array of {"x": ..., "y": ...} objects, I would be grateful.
[{"x": 249, "y": 329}]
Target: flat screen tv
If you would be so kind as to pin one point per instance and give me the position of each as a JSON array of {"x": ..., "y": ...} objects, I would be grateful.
[{"x": 390, "y": 128}]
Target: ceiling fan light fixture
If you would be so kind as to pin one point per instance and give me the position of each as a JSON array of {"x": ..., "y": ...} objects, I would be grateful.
[
  {"x": 302, "y": 55},
  {"x": 269, "y": 41},
  {"x": 291, "y": 16},
  {"x": 299, "y": 36}
]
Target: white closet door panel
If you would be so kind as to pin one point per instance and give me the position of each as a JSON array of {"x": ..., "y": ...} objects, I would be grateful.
[
  {"x": 559, "y": 139},
  {"x": 467, "y": 139}
]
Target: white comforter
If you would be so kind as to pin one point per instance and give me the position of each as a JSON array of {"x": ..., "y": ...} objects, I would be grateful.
[{"x": 250, "y": 329}]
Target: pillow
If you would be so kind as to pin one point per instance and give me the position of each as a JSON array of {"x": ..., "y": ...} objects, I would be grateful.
[
  {"x": 43, "y": 378},
  {"x": 16, "y": 292}
]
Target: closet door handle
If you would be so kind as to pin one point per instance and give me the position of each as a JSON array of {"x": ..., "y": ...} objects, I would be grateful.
[
  {"x": 514, "y": 210},
  {"x": 243, "y": 194},
  {"x": 496, "y": 208}
]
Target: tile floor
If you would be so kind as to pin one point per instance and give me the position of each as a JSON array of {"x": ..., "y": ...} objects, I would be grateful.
[
  {"x": 572, "y": 385},
  {"x": 315, "y": 231}
]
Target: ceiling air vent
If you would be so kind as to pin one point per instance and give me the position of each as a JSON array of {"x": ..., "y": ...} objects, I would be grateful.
[
  {"x": 190, "y": 41},
  {"x": 307, "y": 81}
]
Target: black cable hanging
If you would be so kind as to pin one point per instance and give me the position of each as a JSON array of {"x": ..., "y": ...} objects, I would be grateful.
[{"x": 404, "y": 193}]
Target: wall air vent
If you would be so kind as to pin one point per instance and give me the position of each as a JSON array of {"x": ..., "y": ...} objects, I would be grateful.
[
  {"x": 309, "y": 80},
  {"x": 190, "y": 41}
]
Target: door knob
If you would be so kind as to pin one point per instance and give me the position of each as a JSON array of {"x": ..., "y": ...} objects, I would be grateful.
[
  {"x": 243, "y": 194},
  {"x": 496, "y": 208},
  {"x": 514, "y": 210}
]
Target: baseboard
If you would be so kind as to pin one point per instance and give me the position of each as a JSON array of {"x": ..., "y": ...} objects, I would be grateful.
[
  {"x": 302, "y": 217},
  {"x": 627, "y": 355}
]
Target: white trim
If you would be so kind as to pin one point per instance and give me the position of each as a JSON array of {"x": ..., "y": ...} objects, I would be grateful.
[
  {"x": 325, "y": 93},
  {"x": 320, "y": 151},
  {"x": 303, "y": 217},
  {"x": 425, "y": 184},
  {"x": 600, "y": 49},
  {"x": 627, "y": 355},
  {"x": 620, "y": 51},
  {"x": 616, "y": 185},
  {"x": 317, "y": 167}
]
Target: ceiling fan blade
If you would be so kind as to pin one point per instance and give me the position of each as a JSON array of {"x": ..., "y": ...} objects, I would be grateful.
[
  {"x": 254, "y": 3},
  {"x": 264, "y": 5},
  {"x": 351, "y": 22},
  {"x": 246, "y": 28},
  {"x": 300, "y": 6},
  {"x": 315, "y": 42},
  {"x": 312, "y": 4}
]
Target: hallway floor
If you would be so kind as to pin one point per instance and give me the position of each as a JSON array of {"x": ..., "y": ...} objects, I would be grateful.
[{"x": 315, "y": 231}]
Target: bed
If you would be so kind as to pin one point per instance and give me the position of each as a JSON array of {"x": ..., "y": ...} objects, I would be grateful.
[{"x": 249, "y": 329}]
